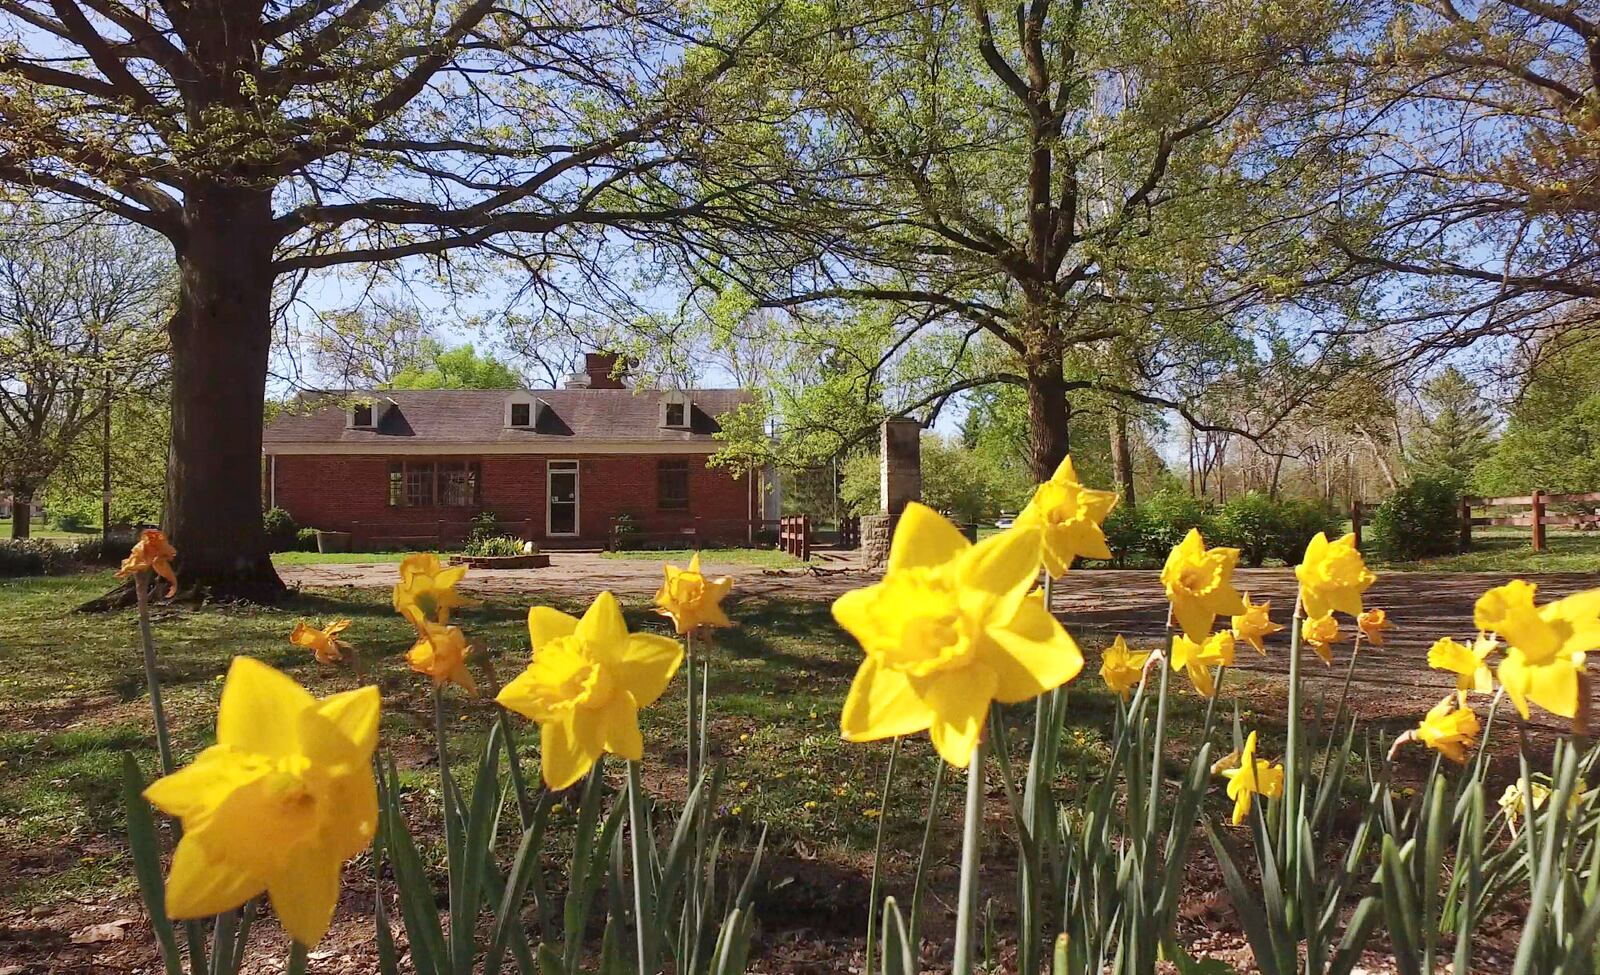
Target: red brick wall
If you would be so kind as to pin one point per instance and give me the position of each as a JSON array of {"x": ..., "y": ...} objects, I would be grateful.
[{"x": 350, "y": 492}]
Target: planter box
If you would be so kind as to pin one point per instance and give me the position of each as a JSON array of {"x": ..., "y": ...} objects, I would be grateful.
[
  {"x": 333, "y": 541},
  {"x": 536, "y": 561}
]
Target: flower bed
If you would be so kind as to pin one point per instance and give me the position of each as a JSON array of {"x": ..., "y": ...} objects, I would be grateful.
[{"x": 537, "y": 560}]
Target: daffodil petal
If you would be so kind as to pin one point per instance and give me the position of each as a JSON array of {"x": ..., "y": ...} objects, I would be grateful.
[
  {"x": 1194, "y": 619},
  {"x": 1514, "y": 677},
  {"x": 1004, "y": 566},
  {"x": 852, "y": 611},
  {"x": 1554, "y": 687},
  {"x": 260, "y": 708},
  {"x": 201, "y": 885},
  {"x": 546, "y": 624},
  {"x": 960, "y": 700},
  {"x": 647, "y": 666},
  {"x": 355, "y": 713},
  {"x": 619, "y": 725},
  {"x": 201, "y": 786},
  {"x": 304, "y": 896},
  {"x": 923, "y": 537},
  {"x": 1032, "y": 654},
  {"x": 562, "y": 760},
  {"x": 882, "y": 704},
  {"x": 602, "y": 624}
]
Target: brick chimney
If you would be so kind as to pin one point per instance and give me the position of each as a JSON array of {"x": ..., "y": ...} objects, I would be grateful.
[{"x": 599, "y": 366}]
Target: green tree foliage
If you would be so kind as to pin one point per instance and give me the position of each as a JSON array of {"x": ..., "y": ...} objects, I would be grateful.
[
  {"x": 457, "y": 368},
  {"x": 963, "y": 482},
  {"x": 1552, "y": 437},
  {"x": 1456, "y": 428},
  {"x": 1420, "y": 519}
]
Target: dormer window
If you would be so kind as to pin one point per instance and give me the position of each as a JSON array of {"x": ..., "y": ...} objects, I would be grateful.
[
  {"x": 675, "y": 410},
  {"x": 363, "y": 416},
  {"x": 522, "y": 411},
  {"x": 522, "y": 414}
]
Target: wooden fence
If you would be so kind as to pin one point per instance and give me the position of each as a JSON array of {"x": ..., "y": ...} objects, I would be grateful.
[
  {"x": 794, "y": 536},
  {"x": 1536, "y": 518},
  {"x": 850, "y": 532}
]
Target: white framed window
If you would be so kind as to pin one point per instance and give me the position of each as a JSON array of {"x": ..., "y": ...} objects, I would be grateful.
[
  {"x": 561, "y": 498},
  {"x": 522, "y": 411},
  {"x": 364, "y": 415},
  {"x": 675, "y": 410}
]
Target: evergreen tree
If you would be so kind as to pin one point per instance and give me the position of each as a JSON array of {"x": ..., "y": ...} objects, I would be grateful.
[{"x": 1456, "y": 428}]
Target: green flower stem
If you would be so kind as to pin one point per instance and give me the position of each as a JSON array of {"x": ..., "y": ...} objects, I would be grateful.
[
  {"x": 1161, "y": 733},
  {"x": 296, "y": 965},
  {"x": 643, "y": 900},
  {"x": 1288, "y": 842},
  {"x": 141, "y": 589},
  {"x": 694, "y": 740},
  {"x": 877, "y": 853},
  {"x": 971, "y": 836}
]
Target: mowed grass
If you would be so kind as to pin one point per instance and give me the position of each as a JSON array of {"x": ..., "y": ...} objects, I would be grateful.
[
  {"x": 769, "y": 558},
  {"x": 74, "y": 698},
  {"x": 40, "y": 529},
  {"x": 1511, "y": 550}
]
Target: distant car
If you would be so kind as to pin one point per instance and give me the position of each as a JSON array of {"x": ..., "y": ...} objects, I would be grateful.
[{"x": 1005, "y": 522}]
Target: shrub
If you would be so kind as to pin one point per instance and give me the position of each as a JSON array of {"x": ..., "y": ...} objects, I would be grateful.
[
  {"x": 1251, "y": 523},
  {"x": 1300, "y": 521},
  {"x": 33, "y": 557},
  {"x": 625, "y": 533},
  {"x": 494, "y": 546},
  {"x": 305, "y": 540},
  {"x": 1124, "y": 530},
  {"x": 1418, "y": 520},
  {"x": 107, "y": 550},
  {"x": 484, "y": 525},
  {"x": 77, "y": 515},
  {"x": 281, "y": 531},
  {"x": 1167, "y": 516}
]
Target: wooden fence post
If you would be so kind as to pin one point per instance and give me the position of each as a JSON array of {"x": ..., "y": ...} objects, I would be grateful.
[
  {"x": 1355, "y": 521},
  {"x": 1538, "y": 521},
  {"x": 1466, "y": 523}
]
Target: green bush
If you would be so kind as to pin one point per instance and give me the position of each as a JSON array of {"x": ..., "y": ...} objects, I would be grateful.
[
  {"x": 1263, "y": 528},
  {"x": 494, "y": 546},
  {"x": 1300, "y": 521},
  {"x": 484, "y": 525},
  {"x": 1167, "y": 516},
  {"x": 1419, "y": 520},
  {"x": 74, "y": 514},
  {"x": 625, "y": 533},
  {"x": 33, "y": 557},
  {"x": 305, "y": 540},
  {"x": 281, "y": 530},
  {"x": 109, "y": 550},
  {"x": 1124, "y": 529}
]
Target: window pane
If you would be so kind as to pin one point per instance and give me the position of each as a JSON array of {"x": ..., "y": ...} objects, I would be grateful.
[
  {"x": 458, "y": 484},
  {"x": 363, "y": 416},
  {"x": 675, "y": 414},
  {"x": 519, "y": 414},
  {"x": 397, "y": 484},
  {"x": 672, "y": 484},
  {"x": 419, "y": 485}
]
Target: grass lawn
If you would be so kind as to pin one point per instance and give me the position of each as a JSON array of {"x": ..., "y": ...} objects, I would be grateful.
[
  {"x": 41, "y": 530},
  {"x": 769, "y": 558},
  {"x": 335, "y": 558},
  {"x": 1511, "y": 550},
  {"x": 74, "y": 698}
]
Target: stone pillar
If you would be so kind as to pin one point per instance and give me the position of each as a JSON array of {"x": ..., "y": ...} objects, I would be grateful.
[{"x": 900, "y": 482}]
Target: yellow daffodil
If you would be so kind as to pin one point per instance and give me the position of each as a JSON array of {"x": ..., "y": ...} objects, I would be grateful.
[
  {"x": 1373, "y": 624},
  {"x": 585, "y": 685},
  {"x": 1515, "y": 806},
  {"x": 1546, "y": 645},
  {"x": 1252, "y": 777},
  {"x": 1068, "y": 516},
  {"x": 1197, "y": 660},
  {"x": 427, "y": 590},
  {"x": 1321, "y": 632},
  {"x": 152, "y": 553},
  {"x": 950, "y": 628},
  {"x": 283, "y": 798},
  {"x": 324, "y": 644},
  {"x": 691, "y": 599},
  {"x": 1333, "y": 576},
  {"x": 1253, "y": 626},
  {"x": 1467, "y": 663},
  {"x": 441, "y": 653},
  {"x": 1121, "y": 668},
  {"x": 1450, "y": 728},
  {"x": 1199, "y": 584}
]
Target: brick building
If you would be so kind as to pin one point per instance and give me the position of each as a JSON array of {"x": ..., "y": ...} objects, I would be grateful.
[{"x": 555, "y": 466}]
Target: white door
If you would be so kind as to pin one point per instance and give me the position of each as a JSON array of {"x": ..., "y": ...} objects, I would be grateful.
[{"x": 561, "y": 494}]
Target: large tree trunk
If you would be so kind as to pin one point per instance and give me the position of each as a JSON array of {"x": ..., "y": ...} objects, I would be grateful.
[
  {"x": 1048, "y": 413},
  {"x": 21, "y": 513},
  {"x": 1122, "y": 457},
  {"x": 221, "y": 336}
]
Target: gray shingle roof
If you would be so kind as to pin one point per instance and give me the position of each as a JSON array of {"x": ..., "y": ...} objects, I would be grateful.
[{"x": 476, "y": 416}]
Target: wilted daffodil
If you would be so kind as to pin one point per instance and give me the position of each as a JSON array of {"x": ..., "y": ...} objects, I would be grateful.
[
  {"x": 324, "y": 644},
  {"x": 1450, "y": 728},
  {"x": 151, "y": 553},
  {"x": 283, "y": 798},
  {"x": 441, "y": 653},
  {"x": 1121, "y": 668},
  {"x": 1252, "y": 777},
  {"x": 1199, "y": 584},
  {"x": 1322, "y": 632},
  {"x": 585, "y": 685},
  {"x": 951, "y": 628},
  {"x": 1253, "y": 626},
  {"x": 427, "y": 590},
  {"x": 1515, "y": 805},
  {"x": 1333, "y": 576},
  {"x": 1545, "y": 644},
  {"x": 1373, "y": 624},
  {"x": 691, "y": 599},
  {"x": 1068, "y": 516},
  {"x": 1467, "y": 663},
  {"x": 1198, "y": 659}
]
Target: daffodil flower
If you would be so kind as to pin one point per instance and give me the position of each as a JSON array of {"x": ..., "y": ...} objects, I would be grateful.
[
  {"x": 1449, "y": 728},
  {"x": 1546, "y": 645},
  {"x": 1199, "y": 659},
  {"x": 324, "y": 644},
  {"x": 1068, "y": 516},
  {"x": 1322, "y": 632},
  {"x": 1199, "y": 584},
  {"x": 1121, "y": 668},
  {"x": 427, "y": 590},
  {"x": 691, "y": 599},
  {"x": 283, "y": 798},
  {"x": 441, "y": 653},
  {"x": 1374, "y": 623},
  {"x": 151, "y": 553},
  {"x": 1514, "y": 804},
  {"x": 1467, "y": 663},
  {"x": 1252, "y": 777},
  {"x": 585, "y": 685},
  {"x": 1333, "y": 576},
  {"x": 1254, "y": 625},
  {"x": 951, "y": 628}
]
